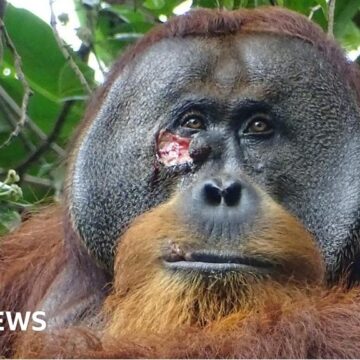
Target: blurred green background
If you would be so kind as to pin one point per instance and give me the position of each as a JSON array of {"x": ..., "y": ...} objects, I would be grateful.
[{"x": 61, "y": 75}]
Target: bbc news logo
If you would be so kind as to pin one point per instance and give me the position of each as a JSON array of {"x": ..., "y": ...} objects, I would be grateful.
[{"x": 22, "y": 321}]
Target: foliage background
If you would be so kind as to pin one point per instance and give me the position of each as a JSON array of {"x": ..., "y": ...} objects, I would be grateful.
[{"x": 34, "y": 132}]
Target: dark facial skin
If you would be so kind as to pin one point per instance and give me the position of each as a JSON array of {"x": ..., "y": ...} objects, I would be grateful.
[{"x": 305, "y": 156}]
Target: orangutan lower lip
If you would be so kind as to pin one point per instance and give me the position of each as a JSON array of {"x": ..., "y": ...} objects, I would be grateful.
[
  {"x": 215, "y": 262},
  {"x": 214, "y": 267}
]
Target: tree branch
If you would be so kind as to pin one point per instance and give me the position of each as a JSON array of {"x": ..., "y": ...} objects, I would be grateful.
[
  {"x": 65, "y": 51},
  {"x": 20, "y": 169},
  {"x": 33, "y": 180},
  {"x": 21, "y": 76},
  {"x": 313, "y": 11},
  {"x": 331, "y": 13},
  {"x": 12, "y": 121},
  {"x": 32, "y": 126},
  {"x": 2, "y": 8}
]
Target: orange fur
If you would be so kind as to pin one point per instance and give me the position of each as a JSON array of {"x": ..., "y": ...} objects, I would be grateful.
[
  {"x": 289, "y": 318},
  {"x": 148, "y": 298},
  {"x": 23, "y": 257}
]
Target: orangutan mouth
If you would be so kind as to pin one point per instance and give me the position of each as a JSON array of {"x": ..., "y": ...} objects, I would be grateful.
[{"x": 212, "y": 262}]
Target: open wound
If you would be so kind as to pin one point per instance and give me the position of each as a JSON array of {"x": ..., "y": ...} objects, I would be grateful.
[{"x": 172, "y": 149}]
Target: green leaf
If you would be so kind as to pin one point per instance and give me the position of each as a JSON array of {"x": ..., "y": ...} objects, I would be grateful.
[
  {"x": 9, "y": 219},
  {"x": 228, "y": 4},
  {"x": 154, "y": 4},
  {"x": 318, "y": 9},
  {"x": 128, "y": 14},
  {"x": 67, "y": 88},
  {"x": 42, "y": 60},
  {"x": 350, "y": 37},
  {"x": 344, "y": 12},
  {"x": 206, "y": 3},
  {"x": 115, "y": 31}
]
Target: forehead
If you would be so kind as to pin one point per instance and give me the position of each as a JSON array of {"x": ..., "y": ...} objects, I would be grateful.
[{"x": 227, "y": 64}]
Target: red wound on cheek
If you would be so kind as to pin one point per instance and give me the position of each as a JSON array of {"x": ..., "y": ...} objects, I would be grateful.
[{"x": 172, "y": 149}]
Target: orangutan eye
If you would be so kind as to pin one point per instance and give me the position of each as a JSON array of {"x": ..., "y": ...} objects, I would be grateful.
[
  {"x": 194, "y": 122},
  {"x": 259, "y": 125}
]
